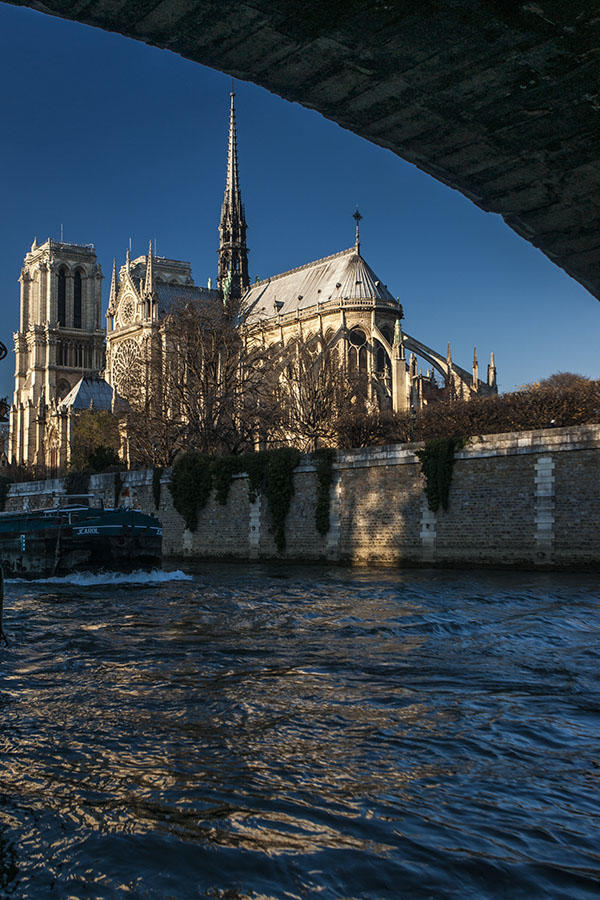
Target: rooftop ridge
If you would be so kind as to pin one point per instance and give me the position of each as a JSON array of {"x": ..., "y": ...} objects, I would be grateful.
[
  {"x": 308, "y": 265},
  {"x": 51, "y": 242},
  {"x": 143, "y": 258}
]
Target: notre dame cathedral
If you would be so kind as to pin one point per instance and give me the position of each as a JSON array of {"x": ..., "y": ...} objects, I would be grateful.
[{"x": 67, "y": 362}]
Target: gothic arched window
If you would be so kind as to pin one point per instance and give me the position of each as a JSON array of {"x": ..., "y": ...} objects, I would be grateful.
[
  {"x": 362, "y": 360},
  {"x": 357, "y": 352},
  {"x": 62, "y": 297},
  {"x": 77, "y": 300},
  {"x": 330, "y": 348},
  {"x": 357, "y": 337},
  {"x": 352, "y": 355}
]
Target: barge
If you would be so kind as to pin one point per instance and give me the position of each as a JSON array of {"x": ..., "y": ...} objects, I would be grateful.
[{"x": 78, "y": 538}]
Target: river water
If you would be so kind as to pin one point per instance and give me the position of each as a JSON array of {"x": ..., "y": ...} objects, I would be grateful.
[{"x": 254, "y": 732}]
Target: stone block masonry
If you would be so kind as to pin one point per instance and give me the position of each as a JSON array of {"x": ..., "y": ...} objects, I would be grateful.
[{"x": 530, "y": 499}]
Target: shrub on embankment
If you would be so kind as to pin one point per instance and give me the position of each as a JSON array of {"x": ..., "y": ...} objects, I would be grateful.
[{"x": 561, "y": 400}]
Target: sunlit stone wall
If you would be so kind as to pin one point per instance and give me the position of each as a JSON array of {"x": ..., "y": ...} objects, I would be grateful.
[{"x": 527, "y": 499}]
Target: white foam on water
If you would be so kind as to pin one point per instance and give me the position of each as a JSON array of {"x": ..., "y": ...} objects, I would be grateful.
[{"x": 88, "y": 579}]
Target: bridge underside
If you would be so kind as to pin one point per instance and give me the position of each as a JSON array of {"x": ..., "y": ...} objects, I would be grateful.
[{"x": 497, "y": 98}]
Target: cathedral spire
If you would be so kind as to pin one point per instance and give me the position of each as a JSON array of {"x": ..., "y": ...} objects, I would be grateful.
[
  {"x": 233, "y": 254},
  {"x": 232, "y": 183},
  {"x": 149, "y": 285}
]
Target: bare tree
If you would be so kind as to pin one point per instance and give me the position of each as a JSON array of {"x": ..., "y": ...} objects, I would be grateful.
[
  {"x": 209, "y": 389},
  {"x": 313, "y": 390}
]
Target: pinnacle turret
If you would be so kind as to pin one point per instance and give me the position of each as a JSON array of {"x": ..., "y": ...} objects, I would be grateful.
[
  {"x": 149, "y": 285},
  {"x": 475, "y": 370},
  {"x": 114, "y": 287},
  {"x": 492, "y": 373},
  {"x": 233, "y": 254}
]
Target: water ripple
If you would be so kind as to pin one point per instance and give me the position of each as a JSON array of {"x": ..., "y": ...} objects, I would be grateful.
[{"x": 270, "y": 733}]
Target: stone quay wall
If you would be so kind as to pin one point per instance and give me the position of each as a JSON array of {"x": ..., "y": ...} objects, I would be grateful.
[{"x": 526, "y": 499}]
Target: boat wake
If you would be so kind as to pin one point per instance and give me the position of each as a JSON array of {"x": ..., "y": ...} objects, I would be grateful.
[{"x": 89, "y": 579}]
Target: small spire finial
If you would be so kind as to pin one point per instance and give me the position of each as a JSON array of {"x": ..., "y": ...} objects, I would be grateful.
[
  {"x": 357, "y": 217},
  {"x": 149, "y": 285},
  {"x": 492, "y": 372},
  {"x": 113, "y": 286},
  {"x": 398, "y": 340},
  {"x": 475, "y": 370}
]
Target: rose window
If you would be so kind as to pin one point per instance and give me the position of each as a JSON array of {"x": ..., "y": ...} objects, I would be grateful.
[
  {"x": 127, "y": 367},
  {"x": 126, "y": 312}
]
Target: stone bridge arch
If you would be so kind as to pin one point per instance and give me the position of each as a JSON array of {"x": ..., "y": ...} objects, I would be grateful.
[{"x": 498, "y": 100}]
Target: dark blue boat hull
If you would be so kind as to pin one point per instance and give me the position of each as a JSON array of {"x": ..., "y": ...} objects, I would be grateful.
[{"x": 58, "y": 542}]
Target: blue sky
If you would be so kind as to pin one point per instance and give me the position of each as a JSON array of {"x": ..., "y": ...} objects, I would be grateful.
[{"x": 114, "y": 139}]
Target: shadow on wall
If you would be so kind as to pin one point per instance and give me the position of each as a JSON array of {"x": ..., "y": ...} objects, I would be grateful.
[{"x": 380, "y": 514}]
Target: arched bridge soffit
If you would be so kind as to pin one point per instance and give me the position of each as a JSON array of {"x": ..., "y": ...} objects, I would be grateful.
[{"x": 498, "y": 100}]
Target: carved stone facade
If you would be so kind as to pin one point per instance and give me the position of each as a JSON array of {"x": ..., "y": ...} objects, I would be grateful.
[
  {"x": 140, "y": 296},
  {"x": 60, "y": 340}
]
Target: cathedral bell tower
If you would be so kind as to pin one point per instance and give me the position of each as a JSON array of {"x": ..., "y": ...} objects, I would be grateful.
[
  {"x": 233, "y": 278},
  {"x": 59, "y": 338}
]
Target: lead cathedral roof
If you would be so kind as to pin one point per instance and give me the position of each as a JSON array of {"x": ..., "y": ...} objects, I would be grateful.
[
  {"x": 342, "y": 276},
  {"x": 169, "y": 294},
  {"x": 90, "y": 392}
]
